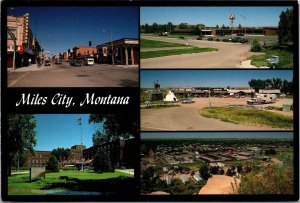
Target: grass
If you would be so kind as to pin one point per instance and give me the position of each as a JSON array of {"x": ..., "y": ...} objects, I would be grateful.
[
  {"x": 72, "y": 180},
  {"x": 248, "y": 117},
  {"x": 160, "y": 106},
  {"x": 153, "y": 54},
  {"x": 285, "y": 59},
  {"x": 145, "y": 43}
]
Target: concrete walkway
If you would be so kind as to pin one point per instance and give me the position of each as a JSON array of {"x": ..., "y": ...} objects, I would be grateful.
[{"x": 33, "y": 67}]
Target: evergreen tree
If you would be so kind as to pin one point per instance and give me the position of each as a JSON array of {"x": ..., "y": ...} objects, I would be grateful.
[
  {"x": 52, "y": 164},
  {"x": 101, "y": 161}
]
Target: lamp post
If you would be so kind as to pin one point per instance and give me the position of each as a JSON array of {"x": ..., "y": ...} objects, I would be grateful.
[
  {"x": 81, "y": 146},
  {"x": 112, "y": 46}
]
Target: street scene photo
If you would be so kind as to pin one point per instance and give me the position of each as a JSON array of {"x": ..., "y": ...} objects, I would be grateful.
[
  {"x": 217, "y": 37},
  {"x": 71, "y": 154},
  {"x": 216, "y": 100},
  {"x": 227, "y": 163},
  {"x": 72, "y": 47}
]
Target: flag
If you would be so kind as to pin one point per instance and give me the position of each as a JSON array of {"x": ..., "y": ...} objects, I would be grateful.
[{"x": 79, "y": 121}]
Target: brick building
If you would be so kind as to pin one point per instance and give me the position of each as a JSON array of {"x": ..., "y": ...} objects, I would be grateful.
[
  {"x": 76, "y": 152},
  {"x": 38, "y": 160},
  {"x": 26, "y": 45},
  {"x": 83, "y": 51},
  {"x": 121, "y": 152},
  {"x": 126, "y": 52}
]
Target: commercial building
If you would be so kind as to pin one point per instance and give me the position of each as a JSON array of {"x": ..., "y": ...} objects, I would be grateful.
[
  {"x": 126, "y": 52},
  {"x": 19, "y": 34},
  {"x": 81, "y": 52}
]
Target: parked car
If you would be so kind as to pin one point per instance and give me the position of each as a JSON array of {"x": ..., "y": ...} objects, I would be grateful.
[
  {"x": 58, "y": 61},
  {"x": 77, "y": 63},
  {"x": 187, "y": 101},
  {"x": 47, "y": 63}
]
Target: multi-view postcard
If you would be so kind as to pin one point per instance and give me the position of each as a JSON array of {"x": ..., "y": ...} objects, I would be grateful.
[
  {"x": 216, "y": 100},
  {"x": 217, "y": 37},
  {"x": 72, "y": 47}
]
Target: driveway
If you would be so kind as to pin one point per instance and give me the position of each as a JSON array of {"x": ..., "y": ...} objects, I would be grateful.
[{"x": 229, "y": 55}]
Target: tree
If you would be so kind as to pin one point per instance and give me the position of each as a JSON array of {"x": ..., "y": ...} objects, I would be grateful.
[
  {"x": 217, "y": 26},
  {"x": 183, "y": 26},
  {"x": 285, "y": 26},
  {"x": 255, "y": 46},
  {"x": 256, "y": 84},
  {"x": 99, "y": 138},
  {"x": 170, "y": 27},
  {"x": 214, "y": 170},
  {"x": 204, "y": 172},
  {"x": 20, "y": 136},
  {"x": 61, "y": 154},
  {"x": 117, "y": 125},
  {"x": 52, "y": 164},
  {"x": 101, "y": 161}
]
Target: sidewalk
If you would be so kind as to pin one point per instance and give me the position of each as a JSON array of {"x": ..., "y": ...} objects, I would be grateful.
[{"x": 33, "y": 67}]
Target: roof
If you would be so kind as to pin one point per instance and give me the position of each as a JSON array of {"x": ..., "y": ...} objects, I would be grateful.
[
  {"x": 241, "y": 90},
  {"x": 275, "y": 91}
]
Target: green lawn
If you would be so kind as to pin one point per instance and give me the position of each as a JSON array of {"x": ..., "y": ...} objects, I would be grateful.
[
  {"x": 248, "y": 117},
  {"x": 145, "y": 43},
  {"x": 285, "y": 59},
  {"x": 153, "y": 54},
  {"x": 72, "y": 180}
]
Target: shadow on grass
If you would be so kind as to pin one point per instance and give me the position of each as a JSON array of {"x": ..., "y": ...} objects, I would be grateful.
[{"x": 122, "y": 185}]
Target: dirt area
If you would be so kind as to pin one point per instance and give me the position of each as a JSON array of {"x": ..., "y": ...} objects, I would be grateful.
[
  {"x": 186, "y": 117},
  {"x": 219, "y": 184},
  {"x": 159, "y": 193}
]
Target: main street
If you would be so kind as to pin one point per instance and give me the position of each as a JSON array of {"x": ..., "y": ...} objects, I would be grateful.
[{"x": 65, "y": 75}]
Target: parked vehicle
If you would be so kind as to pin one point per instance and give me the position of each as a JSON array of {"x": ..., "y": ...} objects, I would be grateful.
[
  {"x": 187, "y": 101},
  {"x": 58, "y": 61},
  {"x": 89, "y": 61},
  {"x": 262, "y": 99},
  {"x": 47, "y": 63}
]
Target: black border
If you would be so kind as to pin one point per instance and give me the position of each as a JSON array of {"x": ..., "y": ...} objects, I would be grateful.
[{"x": 140, "y": 3}]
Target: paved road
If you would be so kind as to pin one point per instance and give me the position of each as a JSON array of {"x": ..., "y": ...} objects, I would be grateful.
[
  {"x": 184, "y": 118},
  {"x": 65, "y": 75},
  {"x": 229, "y": 55}
]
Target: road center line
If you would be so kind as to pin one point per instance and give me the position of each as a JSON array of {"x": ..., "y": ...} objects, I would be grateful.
[{"x": 14, "y": 82}]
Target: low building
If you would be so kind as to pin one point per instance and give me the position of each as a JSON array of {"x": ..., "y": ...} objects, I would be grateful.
[
  {"x": 126, "y": 52},
  {"x": 274, "y": 91}
]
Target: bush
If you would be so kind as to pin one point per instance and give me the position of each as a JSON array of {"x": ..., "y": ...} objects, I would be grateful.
[
  {"x": 217, "y": 39},
  {"x": 226, "y": 40},
  {"x": 255, "y": 47},
  {"x": 240, "y": 34},
  {"x": 236, "y": 39},
  {"x": 52, "y": 164},
  {"x": 101, "y": 162},
  {"x": 181, "y": 37},
  {"x": 199, "y": 38},
  {"x": 210, "y": 39},
  {"x": 243, "y": 40}
]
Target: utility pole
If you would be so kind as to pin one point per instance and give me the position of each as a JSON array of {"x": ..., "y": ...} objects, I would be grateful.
[{"x": 112, "y": 46}]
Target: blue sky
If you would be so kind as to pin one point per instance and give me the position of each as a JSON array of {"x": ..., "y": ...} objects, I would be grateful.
[
  {"x": 209, "y": 78},
  {"x": 62, "y": 130},
  {"x": 60, "y": 28},
  {"x": 288, "y": 135},
  {"x": 211, "y": 16}
]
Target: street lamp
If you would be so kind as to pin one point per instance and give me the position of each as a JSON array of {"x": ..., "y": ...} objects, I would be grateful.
[
  {"x": 112, "y": 46},
  {"x": 81, "y": 145}
]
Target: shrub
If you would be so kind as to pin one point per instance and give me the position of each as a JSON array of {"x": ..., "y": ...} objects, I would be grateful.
[
  {"x": 255, "y": 47},
  {"x": 243, "y": 40},
  {"x": 217, "y": 39},
  {"x": 101, "y": 162},
  {"x": 236, "y": 39},
  {"x": 199, "y": 38},
  {"x": 210, "y": 39},
  {"x": 226, "y": 40},
  {"x": 240, "y": 34},
  {"x": 52, "y": 164},
  {"x": 181, "y": 37}
]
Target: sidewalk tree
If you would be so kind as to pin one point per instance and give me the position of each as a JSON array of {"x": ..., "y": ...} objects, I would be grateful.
[{"x": 20, "y": 136}]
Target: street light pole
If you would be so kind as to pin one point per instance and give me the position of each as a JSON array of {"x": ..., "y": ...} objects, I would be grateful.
[{"x": 112, "y": 46}]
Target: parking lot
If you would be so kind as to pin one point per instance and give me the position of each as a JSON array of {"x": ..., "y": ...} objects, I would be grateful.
[{"x": 65, "y": 75}]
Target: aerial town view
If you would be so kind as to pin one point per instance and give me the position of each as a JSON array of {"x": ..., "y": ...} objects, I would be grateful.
[
  {"x": 218, "y": 100},
  {"x": 70, "y": 154},
  {"x": 217, "y": 37},
  {"x": 224, "y": 163},
  {"x": 72, "y": 47}
]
